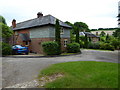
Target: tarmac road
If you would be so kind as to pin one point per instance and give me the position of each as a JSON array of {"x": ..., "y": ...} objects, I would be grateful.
[{"x": 19, "y": 70}]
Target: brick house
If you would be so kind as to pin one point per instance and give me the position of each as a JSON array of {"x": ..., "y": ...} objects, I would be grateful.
[
  {"x": 92, "y": 37},
  {"x": 33, "y": 32}
]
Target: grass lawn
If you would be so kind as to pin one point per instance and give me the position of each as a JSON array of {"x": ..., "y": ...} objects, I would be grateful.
[
  {"x": 69, "y": 53},
  {"x": 83, "y": 74}
]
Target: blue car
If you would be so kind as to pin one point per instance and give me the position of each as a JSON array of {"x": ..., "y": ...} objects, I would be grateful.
[{"x": 18, "y": 49}]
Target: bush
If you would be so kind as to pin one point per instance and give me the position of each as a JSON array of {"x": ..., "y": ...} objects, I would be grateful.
[
  {"x": 115, "y": 43},
  {"x": 82, "y": 44},
  {"x": 106, "y": 46},
  {"x": 51, "y": 48},
  {"x": 73, "y": 47},
  {"x": 5, "y": 48},
  {"x": 92, "y": 45}
]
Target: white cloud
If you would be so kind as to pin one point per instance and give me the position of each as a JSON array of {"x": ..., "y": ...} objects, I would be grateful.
[{"x": 96, "y": 13}]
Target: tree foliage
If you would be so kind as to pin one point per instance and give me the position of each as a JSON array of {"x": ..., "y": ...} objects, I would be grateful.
[
  {"x": 102, "y": 33},
  {"x": 86, "y": 41},
  {"x": 6, "y": 32},
  {"x": 69, "y": 23},
  {"x": 50, "y": 48},
  {"x": 57, "y": 34},
  {"x": 83, "y": 27},
  {"x": 73, "y": 47},
  {"x": 107, "y": 37},
  {"x": 117, "y": 33},
  {"x": 2, "y": 20},
  {"x": 77, "y": 34},
  {"x": 5, "y": 48},
  {"x": 116, "y": 43},
  {"x": 72, "y": 31}
]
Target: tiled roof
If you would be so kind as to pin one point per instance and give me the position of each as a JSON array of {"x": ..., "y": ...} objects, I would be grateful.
[
  {"x": 44, "y": 20},
  {"x": 88, "y": 34}
]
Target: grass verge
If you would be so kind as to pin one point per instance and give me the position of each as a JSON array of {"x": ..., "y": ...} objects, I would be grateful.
[
  {"x": 99, "y": 49},
  {"x": 83, "y": 74}
]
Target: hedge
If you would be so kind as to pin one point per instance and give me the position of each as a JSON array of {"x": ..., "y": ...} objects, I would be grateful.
[
  {"x": 73, "y": 47},
  {"x": 51, "y": 48},
  {"x": 106, "y": 46},
  {"x": 5, "y": 48},
  {"x": 92, "y": 45}
]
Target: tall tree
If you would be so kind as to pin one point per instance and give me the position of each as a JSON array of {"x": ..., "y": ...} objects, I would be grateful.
[
  {"x": 77, "y": 34},
  {"x": 72, "y": 37},
  {"x": 86, "y": 41},
  {"x": 107, "y": 37},
  {"x": 5, "y": 31},
  {"x": 2, "y": 20},
  {"x": 117, "y": 33},
  {"x": 57, "y": 34},
  {"x": 83, "y": 27},
  {"x": 102, "y": 33}
]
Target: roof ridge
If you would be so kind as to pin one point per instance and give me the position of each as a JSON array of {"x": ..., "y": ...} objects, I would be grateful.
[
  {"x": 26, "y": 20},
  {"x": 47, "y": 19},
  {"x": 58, "y": 19},
  {"x": 49, "y": 16},
  {"x": 32, "y": 19}
]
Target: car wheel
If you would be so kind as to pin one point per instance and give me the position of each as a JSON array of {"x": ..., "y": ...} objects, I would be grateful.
[{"x": 14, "y": 52}]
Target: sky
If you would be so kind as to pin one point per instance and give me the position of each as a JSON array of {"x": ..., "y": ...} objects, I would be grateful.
[{"x": 95, "y": 13}]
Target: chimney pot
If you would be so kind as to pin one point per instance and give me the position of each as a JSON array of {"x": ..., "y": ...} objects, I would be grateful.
[
  {"x": 39, "y": 14},
  {"x": 14, "y": 23},
  {"x": 97, "y": 33}
]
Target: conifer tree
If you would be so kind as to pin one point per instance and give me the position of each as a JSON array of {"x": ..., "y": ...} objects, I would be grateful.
[{"x": 57, "y": 34}]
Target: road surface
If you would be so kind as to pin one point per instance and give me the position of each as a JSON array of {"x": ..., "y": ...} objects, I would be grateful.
[{"x": 19, "y": 70}]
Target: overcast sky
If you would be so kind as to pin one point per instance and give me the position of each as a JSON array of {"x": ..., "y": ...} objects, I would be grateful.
[{"x": 95, "y": 13}]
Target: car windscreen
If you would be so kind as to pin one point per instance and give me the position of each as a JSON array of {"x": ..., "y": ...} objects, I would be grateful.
[{"x": 18, "y": 46}]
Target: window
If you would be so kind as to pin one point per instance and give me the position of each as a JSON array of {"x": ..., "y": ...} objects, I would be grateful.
[
  {"x": 16, "y": 33},
  {"x": 26, "y": 43},
  {"x": 65, "y": 42},
  {"x": 61, "y": 30}
]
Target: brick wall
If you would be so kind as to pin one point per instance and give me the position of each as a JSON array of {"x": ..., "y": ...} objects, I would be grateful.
[
  {"x": 16, "y": 38},
  {"x": 36, "y": 44}
]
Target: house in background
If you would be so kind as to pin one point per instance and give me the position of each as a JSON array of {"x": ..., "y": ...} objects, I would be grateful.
[
  {"x": 92, "y": 37},
  {"x": 33, "y": 32},
  {"x": 110, "y": 32},
  {"x": 118, "y": 14}
]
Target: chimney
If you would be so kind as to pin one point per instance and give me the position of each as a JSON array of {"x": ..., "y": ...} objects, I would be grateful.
[
  {"x": 97, "y": 33},
  {"x": 14, "y": 23},
  {"x": 39, "y": 14}
]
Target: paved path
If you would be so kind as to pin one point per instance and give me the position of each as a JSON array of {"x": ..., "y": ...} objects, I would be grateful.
[{"x": 19, "y": 70}]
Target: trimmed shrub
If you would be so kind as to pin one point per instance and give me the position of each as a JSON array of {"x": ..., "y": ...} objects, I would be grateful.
[
  {"x": 82, "y": 44},
  {"x": 5, "y": 48},
  {"x": 73, "y": 47},
  {"x": 106, "y": 46},
  {"x": 115, "y": 43},
  {"x": 51, "y": 48},
  {"x": 92, "y": 45}
]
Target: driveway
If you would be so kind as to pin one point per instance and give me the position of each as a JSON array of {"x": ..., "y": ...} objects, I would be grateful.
[{"x": 19, "y": 70}]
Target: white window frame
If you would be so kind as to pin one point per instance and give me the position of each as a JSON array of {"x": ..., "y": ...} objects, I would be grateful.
[
  {"x": 65, "y": 42},
  {"x": 16, "y": 33},
  {"x": 62, "y": 30}
]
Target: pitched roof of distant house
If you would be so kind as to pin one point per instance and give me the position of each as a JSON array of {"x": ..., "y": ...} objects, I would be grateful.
[
  {"x": 41, "y": 21},
  {"x": 88, "y": 34}
]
